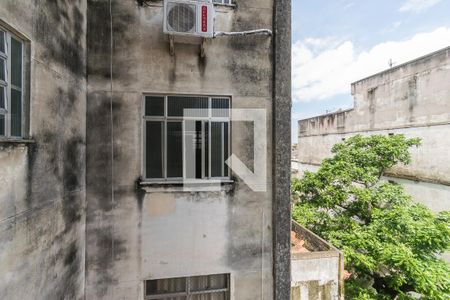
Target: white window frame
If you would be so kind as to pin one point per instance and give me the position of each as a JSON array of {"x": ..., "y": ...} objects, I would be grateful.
[
  {"x": 165, "y": 119},
  {"x": 8, "y": 86},
  {"x": 187, "y": 293}
]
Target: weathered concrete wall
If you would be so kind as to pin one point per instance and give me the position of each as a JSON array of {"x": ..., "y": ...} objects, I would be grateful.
[
  {"x": 42, "y": 190},
  {"x": 435, "y": 196},
  {"x": 430, "y": 162},
  {"x": 135, "y": 234},
  {"x": 316, "y": 276},
  {"x": 411, "y": 99}
]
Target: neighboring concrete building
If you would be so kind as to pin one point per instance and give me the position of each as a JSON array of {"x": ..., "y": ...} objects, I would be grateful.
[
  {"x": 42, "y": 149},
  {"x": 93, "y": 153},
  {"x": 317, "y": 267},
  {"x": 412, "y": 99}
]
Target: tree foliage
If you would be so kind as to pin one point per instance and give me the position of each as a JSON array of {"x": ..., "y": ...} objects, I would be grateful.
[{"x": 391, "y": 244}]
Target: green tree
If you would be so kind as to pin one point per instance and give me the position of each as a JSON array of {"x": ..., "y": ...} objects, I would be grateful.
[{"x": 391, "y": 244}]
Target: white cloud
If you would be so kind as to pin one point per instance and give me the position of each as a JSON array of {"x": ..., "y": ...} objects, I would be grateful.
[
  {"x": 393, "y": 27},
  {"x": 321, "y": 74},
  {"x": 417, "y": 5},
  {"x": 349, "y": 5}
]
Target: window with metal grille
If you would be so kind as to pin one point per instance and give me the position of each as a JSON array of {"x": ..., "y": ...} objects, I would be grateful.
[
  {"x": 11, "y": 85},
  {"x": 223, "y": 1},
  {"x": 186, "y": 137},
  {"x": 209, "y": 287}
]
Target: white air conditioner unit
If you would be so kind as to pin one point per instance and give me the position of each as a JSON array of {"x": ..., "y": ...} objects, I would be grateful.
[{"x": 189, "y": 18}]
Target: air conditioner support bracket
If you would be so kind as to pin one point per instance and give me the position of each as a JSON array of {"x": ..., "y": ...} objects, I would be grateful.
[
  {"x": 202, "y": 48},
  {"x": 171, "y": 45}
]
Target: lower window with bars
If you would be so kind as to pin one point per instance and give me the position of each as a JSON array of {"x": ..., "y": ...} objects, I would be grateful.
[{"x": 209, "y": 287}]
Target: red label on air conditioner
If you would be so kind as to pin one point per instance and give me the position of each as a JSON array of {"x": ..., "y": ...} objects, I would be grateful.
[{"x": 204, "y": 19}]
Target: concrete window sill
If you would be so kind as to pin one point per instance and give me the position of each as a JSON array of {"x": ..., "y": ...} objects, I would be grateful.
[
  {"x": 4, "y": 141},
  {"x": 187, "y": 186}
]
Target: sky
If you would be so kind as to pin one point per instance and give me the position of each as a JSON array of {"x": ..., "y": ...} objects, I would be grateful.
[{"x": 337, "y": 42}]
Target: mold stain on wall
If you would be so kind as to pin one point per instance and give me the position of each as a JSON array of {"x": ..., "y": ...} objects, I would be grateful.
[{"x": 50, "y": 216}]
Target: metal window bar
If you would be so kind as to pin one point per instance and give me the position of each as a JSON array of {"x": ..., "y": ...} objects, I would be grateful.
[{"x": 223, "y": 116}]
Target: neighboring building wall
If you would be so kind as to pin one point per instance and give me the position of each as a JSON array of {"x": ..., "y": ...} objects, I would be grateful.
[
  {"x": 138, "y": 233},
  {"x": 315, "y": 276},
  {"x": 42, "y": 191},
  {"x": 433, "y": 195},
  {"x": 411, "y": 99},
  {"x": 318, "y": 272}
]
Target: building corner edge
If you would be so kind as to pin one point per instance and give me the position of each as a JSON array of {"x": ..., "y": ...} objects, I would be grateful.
[{"x": 281, "y": 148}]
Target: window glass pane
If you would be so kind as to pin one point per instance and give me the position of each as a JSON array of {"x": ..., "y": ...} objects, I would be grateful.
[
  {"x": 165, "y": 286},
  {"x": 218, "y": 281},
  {"x": 2, "y": 69},
  {"x": 2, "y": 97},
  {"x": 220, "y": 107},
  {"x": 153, "y": 150},
  {"x": 16, "y": 62},
  {"x": 2, "y": 41},
  {"x": 16, "y": 113},
  {"x": 216, "y": 149},
  {"x": 2, "y": 125},
  {"x": 211, "y": 282},
  {"x": 174, "y": 150},
  {"x": 154, "y": 106},
  {"x": 177, "y": 104},
  {"x": 193, "y": 138}
]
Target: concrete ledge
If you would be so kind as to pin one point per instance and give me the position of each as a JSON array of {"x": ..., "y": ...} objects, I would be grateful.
[
  {"x": 315, "y": 255},
  {"x": 362, "y": 131},
  {"x": 16, "y": 141},
  {"x": 188, "y": 187}
]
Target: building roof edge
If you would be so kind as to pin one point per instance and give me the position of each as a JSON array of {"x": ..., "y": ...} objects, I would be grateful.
[{"x": 403, "y": 64}]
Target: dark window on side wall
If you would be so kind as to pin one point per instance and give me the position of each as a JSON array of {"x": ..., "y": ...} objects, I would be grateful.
[{"x": 11, "y": 85}]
